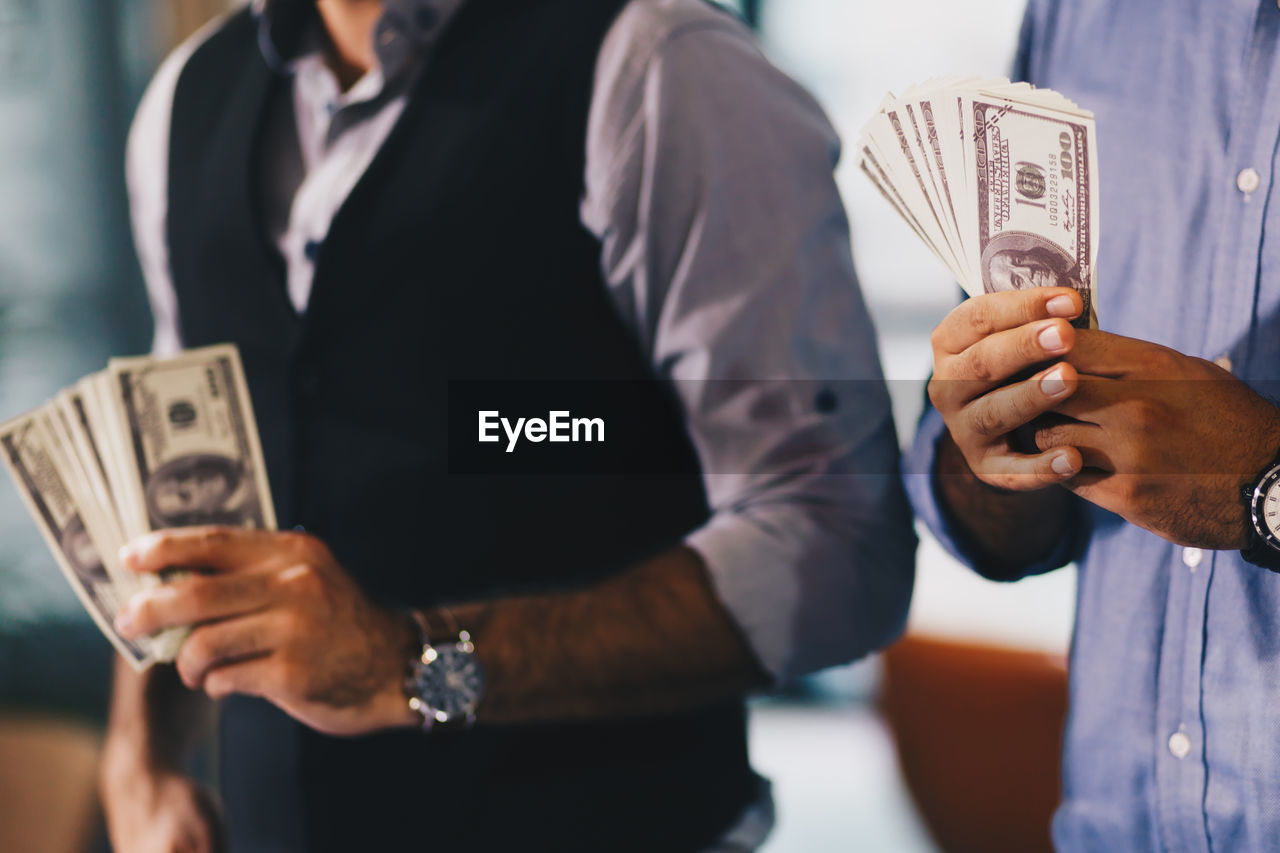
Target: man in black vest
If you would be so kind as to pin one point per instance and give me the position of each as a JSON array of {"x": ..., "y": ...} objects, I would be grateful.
[{"x": 418, "y": 216}]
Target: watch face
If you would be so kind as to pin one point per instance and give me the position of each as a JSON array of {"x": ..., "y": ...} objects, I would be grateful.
[
  {"x": 1266, "y": 508},
  {"x": 451, "y": 685}
]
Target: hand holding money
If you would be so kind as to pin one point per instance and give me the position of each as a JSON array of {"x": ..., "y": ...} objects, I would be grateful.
[
  {"x": 982, "y": 353},
  {"x": 999, "y": 180},
  {"x": 145, "y": 445},
  {"x": 277, "y": 617}
]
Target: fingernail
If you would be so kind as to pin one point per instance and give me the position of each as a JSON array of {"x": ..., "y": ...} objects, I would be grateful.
[
  {"x": 129, "y": 556},
  {"x": 1053, "y": 385},
  {"x": 1061, "y": 306},
  {"x": 1051, "y": 339},
  {"x": 1061, "y": 464}
]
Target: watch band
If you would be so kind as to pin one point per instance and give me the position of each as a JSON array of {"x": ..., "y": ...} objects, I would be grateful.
[{"x": 436, "y": 625}]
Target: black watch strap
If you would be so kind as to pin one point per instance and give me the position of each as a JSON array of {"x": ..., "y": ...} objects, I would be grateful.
[{"x": 1260, "y": 553}]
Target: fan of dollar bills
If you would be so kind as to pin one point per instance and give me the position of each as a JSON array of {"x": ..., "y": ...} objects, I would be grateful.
[
  {"x": 144, "y": 445},
  {"x": 999, "y": 179}
]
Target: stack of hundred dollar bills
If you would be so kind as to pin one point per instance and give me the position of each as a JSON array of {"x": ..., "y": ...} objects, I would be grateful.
[
  {"x": 144, "y": 445},
  {"x": 999, "y": 179}
]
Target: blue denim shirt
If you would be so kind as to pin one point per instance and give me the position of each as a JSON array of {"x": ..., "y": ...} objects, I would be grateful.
[{"x": 1173, "y": 737}]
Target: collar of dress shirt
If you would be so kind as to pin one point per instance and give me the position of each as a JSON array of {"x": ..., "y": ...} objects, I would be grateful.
[{"x": 405, "y": 33}]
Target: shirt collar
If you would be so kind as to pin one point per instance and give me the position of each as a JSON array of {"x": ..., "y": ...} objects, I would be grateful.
[{"x": 407, "y": 31}]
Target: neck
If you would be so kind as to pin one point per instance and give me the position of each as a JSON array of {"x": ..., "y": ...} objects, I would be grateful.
[{"x": 349, "y": 24}]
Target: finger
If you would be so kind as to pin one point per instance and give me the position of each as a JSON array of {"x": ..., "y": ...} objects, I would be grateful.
[
  {"x": 998, "y": 358},
  {"x": 1102, "y": 488},
  {"x": 227, "y": 643},
  {"x": 993, "y": 416},
  {"x": 262, "y": 676},
  {"x": 1108, "y": 355},
  {"x": 196, "y": 599},
  {"x": 1066, "y": 432},
  {"x": 221, "y": 548},
  {"x": 1096, "y": 395},
  {"x": 980, "y": 316},
  {"x": 1089, "y": 439},
  {"x": 1024, "y": 472}
]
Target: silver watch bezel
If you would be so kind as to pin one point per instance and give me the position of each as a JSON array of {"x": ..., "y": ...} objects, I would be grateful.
[{"x": 422, "y": 704}]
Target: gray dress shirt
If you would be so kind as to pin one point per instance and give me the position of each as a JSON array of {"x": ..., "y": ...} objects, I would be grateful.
[{"x": 725, "y": 249}]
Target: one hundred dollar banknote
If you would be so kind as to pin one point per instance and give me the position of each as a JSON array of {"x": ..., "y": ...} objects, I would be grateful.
[
  {"x": 147, "y": 444},
  {"x": 998, "y": 179}
]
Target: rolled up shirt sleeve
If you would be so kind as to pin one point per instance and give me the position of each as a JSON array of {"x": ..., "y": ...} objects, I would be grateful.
[
  {"x": 147, "y": 179},
  {"x": 726, "y": 247}
]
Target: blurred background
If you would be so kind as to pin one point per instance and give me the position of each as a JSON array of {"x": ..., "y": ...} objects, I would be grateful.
[{"x": 948, "y": 742}]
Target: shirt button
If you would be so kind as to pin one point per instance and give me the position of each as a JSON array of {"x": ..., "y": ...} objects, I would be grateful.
[
  {"x": 1180, "y": 745},
  {"x": 312, "y": 250},
  {"x": 1224, "y": 361},
  {"x": 1192, "y": 557},
  {"x": 1247, "y": 181}
]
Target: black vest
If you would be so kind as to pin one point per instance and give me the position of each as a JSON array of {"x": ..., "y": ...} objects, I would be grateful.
[{"x": 458, "y": 268}]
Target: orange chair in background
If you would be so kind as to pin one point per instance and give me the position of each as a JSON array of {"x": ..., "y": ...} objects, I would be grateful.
[{"x": 979, "y": 735}]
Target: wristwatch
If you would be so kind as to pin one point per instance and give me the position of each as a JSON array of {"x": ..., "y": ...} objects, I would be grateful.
[
  {"x": 1263, "y": 499},
  {"x": 445, "y": 682}
]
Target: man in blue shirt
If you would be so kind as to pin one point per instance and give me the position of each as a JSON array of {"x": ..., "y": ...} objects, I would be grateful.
[{"x": 1175, "y": 679}]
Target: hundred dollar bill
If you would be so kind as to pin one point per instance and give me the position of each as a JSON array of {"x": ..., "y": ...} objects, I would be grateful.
[
  {"x": 1034, "y": 170},
  {"x": 998, "y": 179},
  {"x": 190, "y": 446},
  {"x": 80, "y": 458},
  {"x": 38, "y": 466},
  {"x": 187, "y": 447}
]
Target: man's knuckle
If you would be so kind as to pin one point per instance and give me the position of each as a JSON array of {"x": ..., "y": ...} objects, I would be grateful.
[
  {"x": 1048, "y": 437},
  {"x": 1162, "y": 362},
  {"x": 976, "y": 366},
  {"x": 201, "y": 593},
  {"x": 984, "y": 421},
  {"x": 979, "y": 316},
  {"x": 1144, "y": 414},
  {"x": 215, "y": 537},
  {"x": 939, "y": 391}
]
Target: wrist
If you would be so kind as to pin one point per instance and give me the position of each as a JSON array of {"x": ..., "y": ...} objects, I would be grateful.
[
  {"x": 126, "y": 769},
  {"x": 388, "y": 707}
]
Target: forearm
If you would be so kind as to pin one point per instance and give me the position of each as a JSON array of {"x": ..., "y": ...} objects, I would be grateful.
[
  {"x": 155, "y": 721},
  {"x": 1011, "y": 530},
  {"x": 651, "y": 640}
]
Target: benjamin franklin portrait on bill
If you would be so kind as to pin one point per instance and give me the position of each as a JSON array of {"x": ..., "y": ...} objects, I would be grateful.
[
  {"x": 1019, "y": 260},
  {"x": 203, "y": 488},
  {"x": 82, "y": 554}
]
